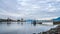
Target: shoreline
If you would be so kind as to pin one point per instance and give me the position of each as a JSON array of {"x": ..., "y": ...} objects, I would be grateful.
[{"x": 55, "y": 30}]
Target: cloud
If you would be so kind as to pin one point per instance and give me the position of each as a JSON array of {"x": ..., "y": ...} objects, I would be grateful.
[{"x": 30, "y": 8}]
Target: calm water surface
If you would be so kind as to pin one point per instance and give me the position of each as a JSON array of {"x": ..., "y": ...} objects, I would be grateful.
[{"x": 25, "y": 28}]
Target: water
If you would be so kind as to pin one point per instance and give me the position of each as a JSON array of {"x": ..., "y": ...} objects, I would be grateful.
[{"x": 23, "y": 28}]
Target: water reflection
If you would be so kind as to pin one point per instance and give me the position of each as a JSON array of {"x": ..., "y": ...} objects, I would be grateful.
[
  {"x": 34, "y": 24},
  {"x": 18, "y": 22},
  {"x": 23, "y": 28}
]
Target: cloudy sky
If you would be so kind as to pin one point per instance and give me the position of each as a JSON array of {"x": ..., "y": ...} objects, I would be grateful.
[{"x": 30, "y": 9}]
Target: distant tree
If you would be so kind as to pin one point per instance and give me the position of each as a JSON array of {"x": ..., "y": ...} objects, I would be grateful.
[{"x": 18, "y": 20}]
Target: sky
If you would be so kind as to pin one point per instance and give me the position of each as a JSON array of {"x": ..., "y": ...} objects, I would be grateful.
[{"x": 30, "y": 9}]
